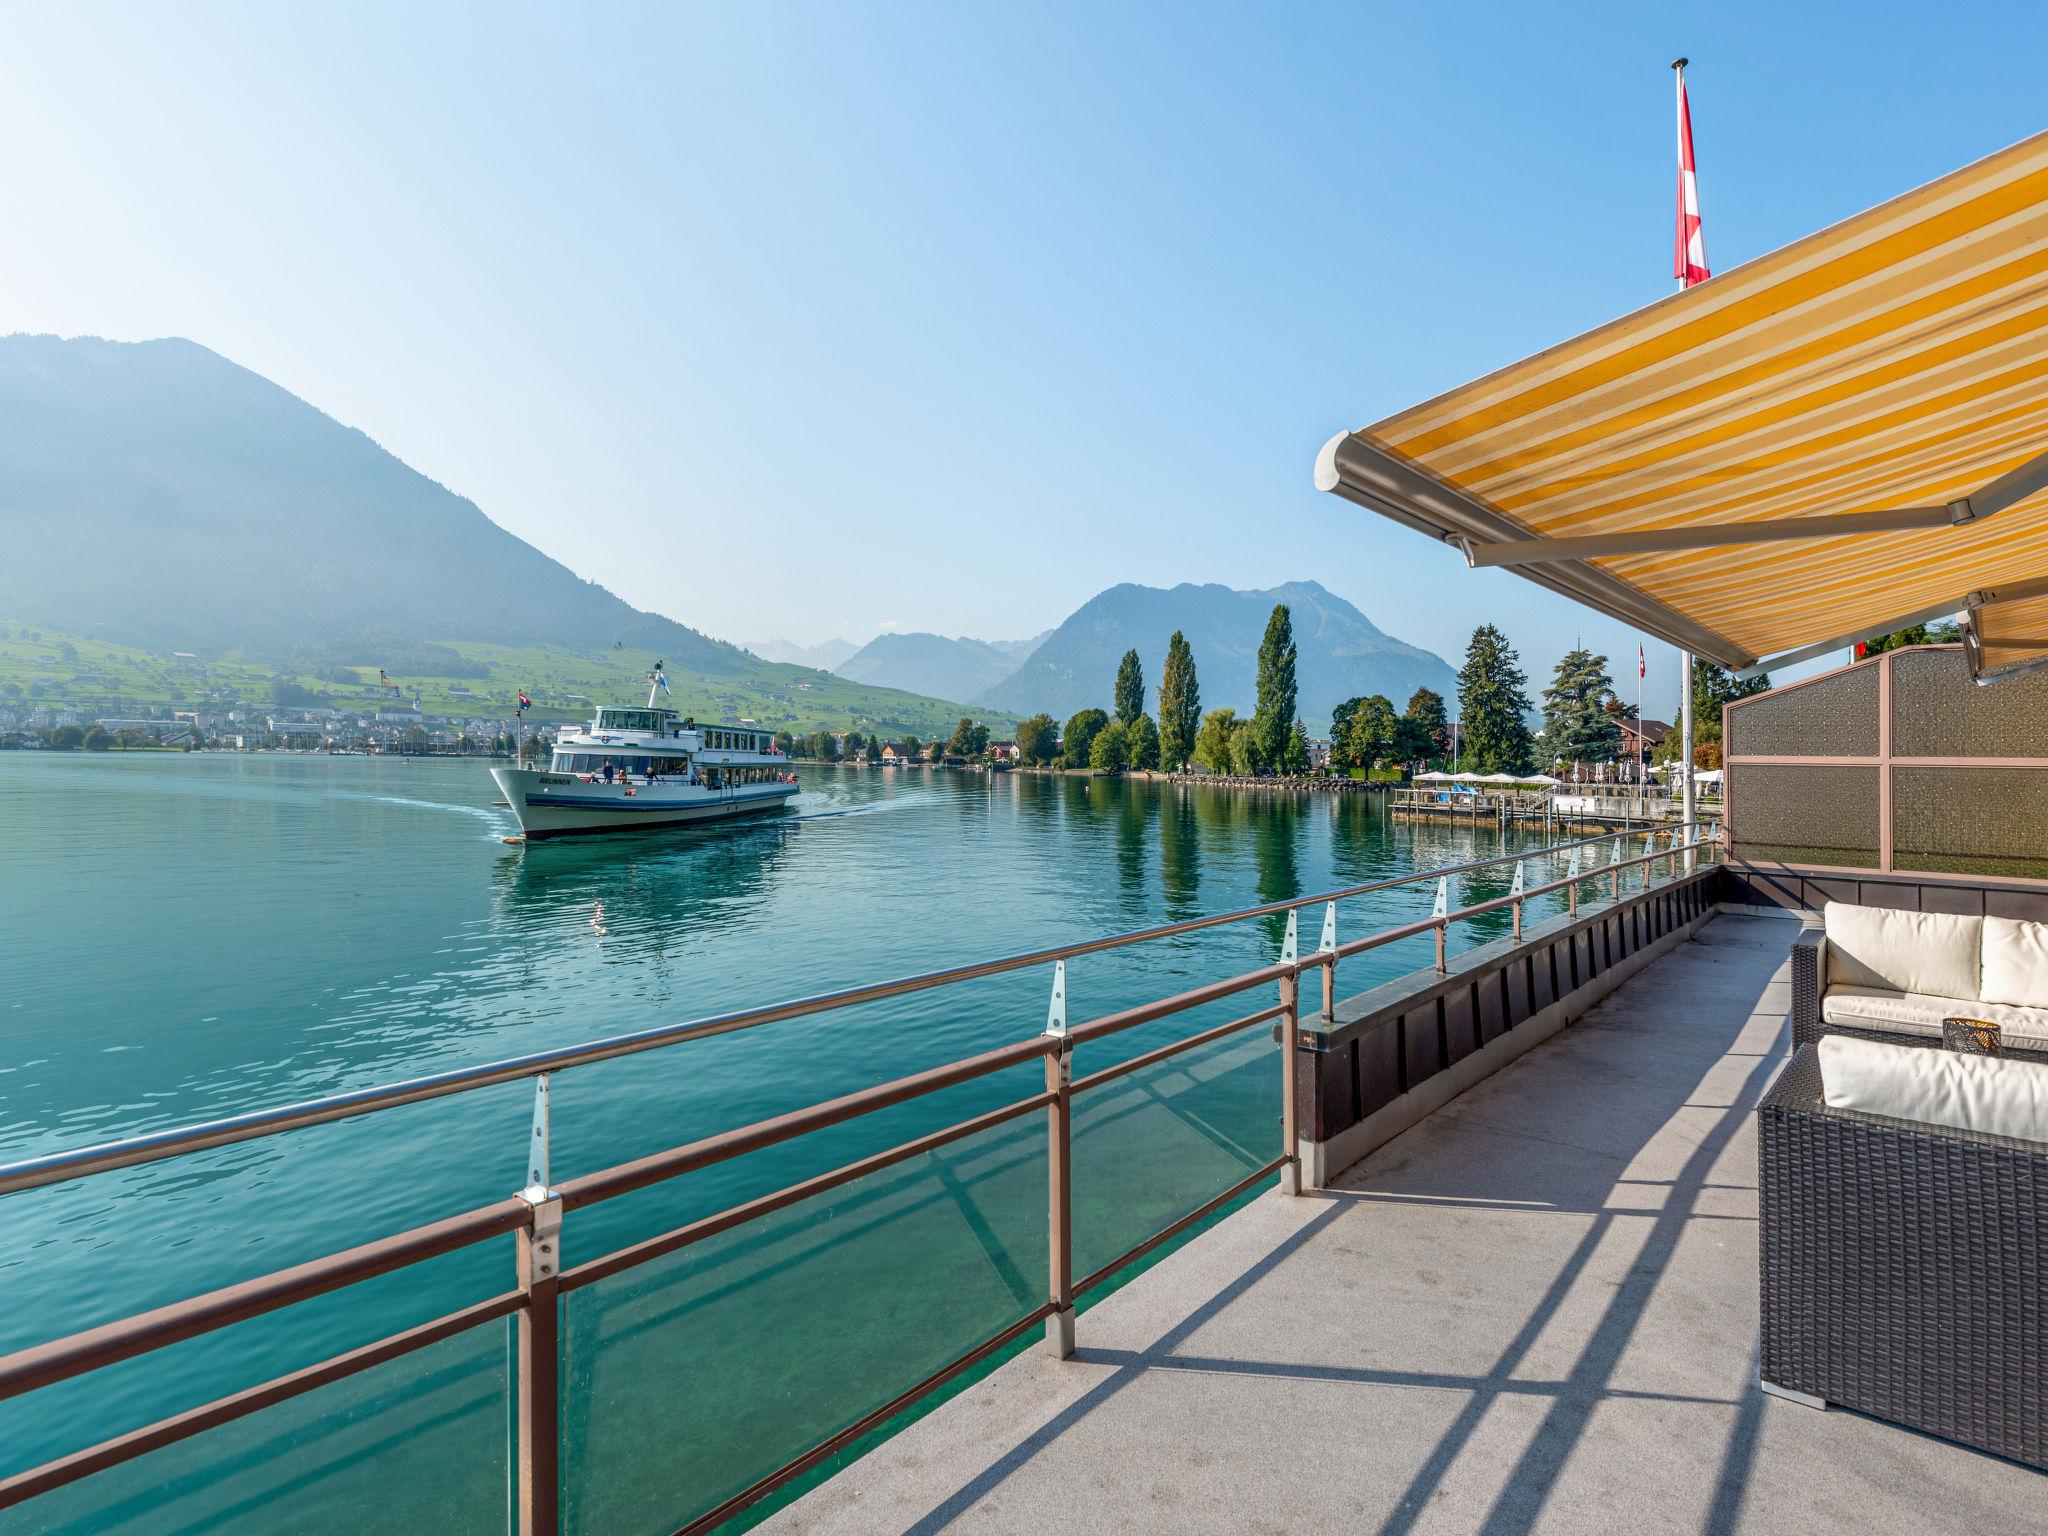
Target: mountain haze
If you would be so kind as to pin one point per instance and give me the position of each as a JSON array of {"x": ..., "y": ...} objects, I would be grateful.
[
  {"x": 932, "y": 664},
  {"x": 823, "y": 656},
  {"x": 1341, "y": 654}
]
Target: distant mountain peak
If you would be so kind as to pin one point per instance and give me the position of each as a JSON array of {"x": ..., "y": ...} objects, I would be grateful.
[{"x": 1342, "y": 653}]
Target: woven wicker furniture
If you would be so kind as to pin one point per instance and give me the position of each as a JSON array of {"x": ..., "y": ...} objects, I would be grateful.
[
  {"x": 2022, "y": 1027},
  {"x": 1904, "y": 1269}
]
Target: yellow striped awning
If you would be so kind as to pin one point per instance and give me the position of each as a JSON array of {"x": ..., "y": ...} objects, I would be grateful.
[{"x": 1841, "y": 438}]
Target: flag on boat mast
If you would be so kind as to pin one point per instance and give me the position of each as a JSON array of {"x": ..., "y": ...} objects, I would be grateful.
[{"x": 1689, "y": 254}]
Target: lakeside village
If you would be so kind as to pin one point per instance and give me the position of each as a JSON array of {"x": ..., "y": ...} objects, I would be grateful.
[{"x": 1587, "y": 732}]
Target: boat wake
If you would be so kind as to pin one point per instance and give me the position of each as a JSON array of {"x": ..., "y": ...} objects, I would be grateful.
[{"x": 498, "y": 821}]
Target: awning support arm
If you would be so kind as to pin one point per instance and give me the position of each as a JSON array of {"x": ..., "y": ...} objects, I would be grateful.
[
  {"x": 2013, "y": 486},
  {"x": 1651, "y": 541}
]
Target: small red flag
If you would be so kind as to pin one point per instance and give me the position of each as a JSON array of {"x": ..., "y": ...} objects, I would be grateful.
[
  {"x": 1689, "y": 256},
  {"x": 1642, "y": 661}
]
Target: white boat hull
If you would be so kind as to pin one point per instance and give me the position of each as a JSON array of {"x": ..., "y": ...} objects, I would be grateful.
[{"x": 562, "y": 804}]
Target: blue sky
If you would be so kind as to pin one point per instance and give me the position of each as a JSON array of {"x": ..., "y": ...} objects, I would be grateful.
[{"x": 817, "y": 320}]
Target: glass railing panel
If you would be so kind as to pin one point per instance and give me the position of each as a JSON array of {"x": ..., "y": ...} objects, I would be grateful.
[
  {"x": 1153, "y": 1145},
  {"x": 692, "y": 1377},
  {"x": 419, "y": 1443}
]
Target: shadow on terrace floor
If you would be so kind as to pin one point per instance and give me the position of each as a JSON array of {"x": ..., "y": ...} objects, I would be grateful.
[{"x": 1534, "y": 1312}]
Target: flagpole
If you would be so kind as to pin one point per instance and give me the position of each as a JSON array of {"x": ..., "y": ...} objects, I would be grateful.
[{"x": 1684, "y": 657}]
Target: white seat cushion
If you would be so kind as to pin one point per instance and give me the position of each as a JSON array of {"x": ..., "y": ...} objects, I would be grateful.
[
  {"x": 1937, "y": 953},
  {"x": 2015, "y": 963},
  {"x": 1918, "y": 1013},
  {"x": 1965, "y": 1093}
]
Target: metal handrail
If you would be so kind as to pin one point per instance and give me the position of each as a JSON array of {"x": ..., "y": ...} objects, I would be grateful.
[
  {"x": 155, "y": 1146},
  {"x": 533, "y": 1219}
]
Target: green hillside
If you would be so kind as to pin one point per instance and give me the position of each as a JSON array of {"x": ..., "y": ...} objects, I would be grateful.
[
  {"x": 157, "y": 499},
  {"x": 40, "y": 666}
]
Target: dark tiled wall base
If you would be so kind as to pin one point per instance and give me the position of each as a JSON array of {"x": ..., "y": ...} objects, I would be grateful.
[
  {"x": 1424, "y": 1023},
  {"x": 1777, "y": 885}
]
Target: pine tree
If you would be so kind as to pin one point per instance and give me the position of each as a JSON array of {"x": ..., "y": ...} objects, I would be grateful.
[
  {"x": 1130, "y": 689},
  {"x": 1576, "y": 725},
  {"x": 1180, "y": 705},
  {"x": 1275, "y": 711},
  {"x": 1493, "y": 705}
]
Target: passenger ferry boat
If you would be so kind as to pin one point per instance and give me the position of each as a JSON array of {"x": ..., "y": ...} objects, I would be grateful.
[{"x": 647, "y": 768}]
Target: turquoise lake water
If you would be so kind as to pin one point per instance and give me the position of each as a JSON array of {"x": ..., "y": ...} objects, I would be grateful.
[{"x": 183, "y": 937}]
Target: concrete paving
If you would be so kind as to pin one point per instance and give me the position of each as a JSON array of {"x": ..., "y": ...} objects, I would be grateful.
[{"x": 1534, "y": 1312}]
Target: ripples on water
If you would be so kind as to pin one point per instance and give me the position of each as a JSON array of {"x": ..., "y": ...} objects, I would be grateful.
[{"x": 191, "y": 936}]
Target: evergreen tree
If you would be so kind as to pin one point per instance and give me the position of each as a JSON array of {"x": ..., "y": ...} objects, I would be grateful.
[
  {"x": 850, "y": 747},
  {"x": 1110, "y": 751},
  {"x": 1275, "y": 709},
  {"x": 1144, "y": 743},
  {"x": 873, "y": 750},
  {"x": 1576, "y": 725},
  {"x": 1130, "y": 689},
  {"x": 1295, "y": 759},
  {"x": 1180, "y": 705},
  {"x": 1079, "y": 736},
  {"x": 1426, "y": 710},
  {"x": 1372, "y": 732},
  {"x": 1493, "y": 705},
  {"x": 1212, "y": 742}
]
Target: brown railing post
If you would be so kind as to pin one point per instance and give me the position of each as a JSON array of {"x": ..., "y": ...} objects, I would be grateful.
[
  {"x": 1059, "y": 1149},
  {"x": 1329, "y": 945},
  {"x": 1290, "y": 1052},
  {"x": 1442, "y": 930},
  {"x": 539, "y": 1364}
]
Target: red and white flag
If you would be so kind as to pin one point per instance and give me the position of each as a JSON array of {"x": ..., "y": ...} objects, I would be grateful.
[
  {"x": 1689, "y": 255},
  {"x": 1642, "y": 662}
]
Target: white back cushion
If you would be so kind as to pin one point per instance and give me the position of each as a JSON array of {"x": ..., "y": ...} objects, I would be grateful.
[
  {"x": 2015, "y": 963},
  {"x": 1932, "y": 952},
  {"x": 2002, "y": 1097}
]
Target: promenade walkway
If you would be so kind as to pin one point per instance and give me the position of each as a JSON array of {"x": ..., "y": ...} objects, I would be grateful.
[{"x": 1535, "y": 1312}]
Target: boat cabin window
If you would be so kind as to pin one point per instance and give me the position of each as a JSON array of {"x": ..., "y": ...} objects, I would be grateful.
[{"x": 628, "y": 720}]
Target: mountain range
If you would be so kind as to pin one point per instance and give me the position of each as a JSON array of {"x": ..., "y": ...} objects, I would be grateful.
[
  {"x": 155, "y": 495},
  {"x": 158, "y": 497},
  {"x": 1340, "y": 653}
]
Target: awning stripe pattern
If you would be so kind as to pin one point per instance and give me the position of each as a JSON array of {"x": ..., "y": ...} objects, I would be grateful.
[
  {"x": 2010, "y": 637},
  {"x": 1898, "y": 360}
]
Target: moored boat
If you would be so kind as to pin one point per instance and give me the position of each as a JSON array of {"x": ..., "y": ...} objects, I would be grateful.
[{"x": 647, "y": 768}]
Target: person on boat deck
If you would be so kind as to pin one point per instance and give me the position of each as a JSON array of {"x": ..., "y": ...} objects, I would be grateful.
[
  {"x": 652, "y": 777},
  {"x": 609, "y": 775}
]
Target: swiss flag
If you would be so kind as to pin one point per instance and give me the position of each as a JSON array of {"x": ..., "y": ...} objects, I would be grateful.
[{"x": 1689, "y": 255}]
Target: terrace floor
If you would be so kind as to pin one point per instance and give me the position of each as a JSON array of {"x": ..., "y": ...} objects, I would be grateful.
[{"x": 1534, "y": 1312}]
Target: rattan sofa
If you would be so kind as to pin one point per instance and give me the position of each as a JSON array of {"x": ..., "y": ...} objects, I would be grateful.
[
  {"x": 1904, "y": 1269},
  {"x": 2025, "y": 1027}
]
